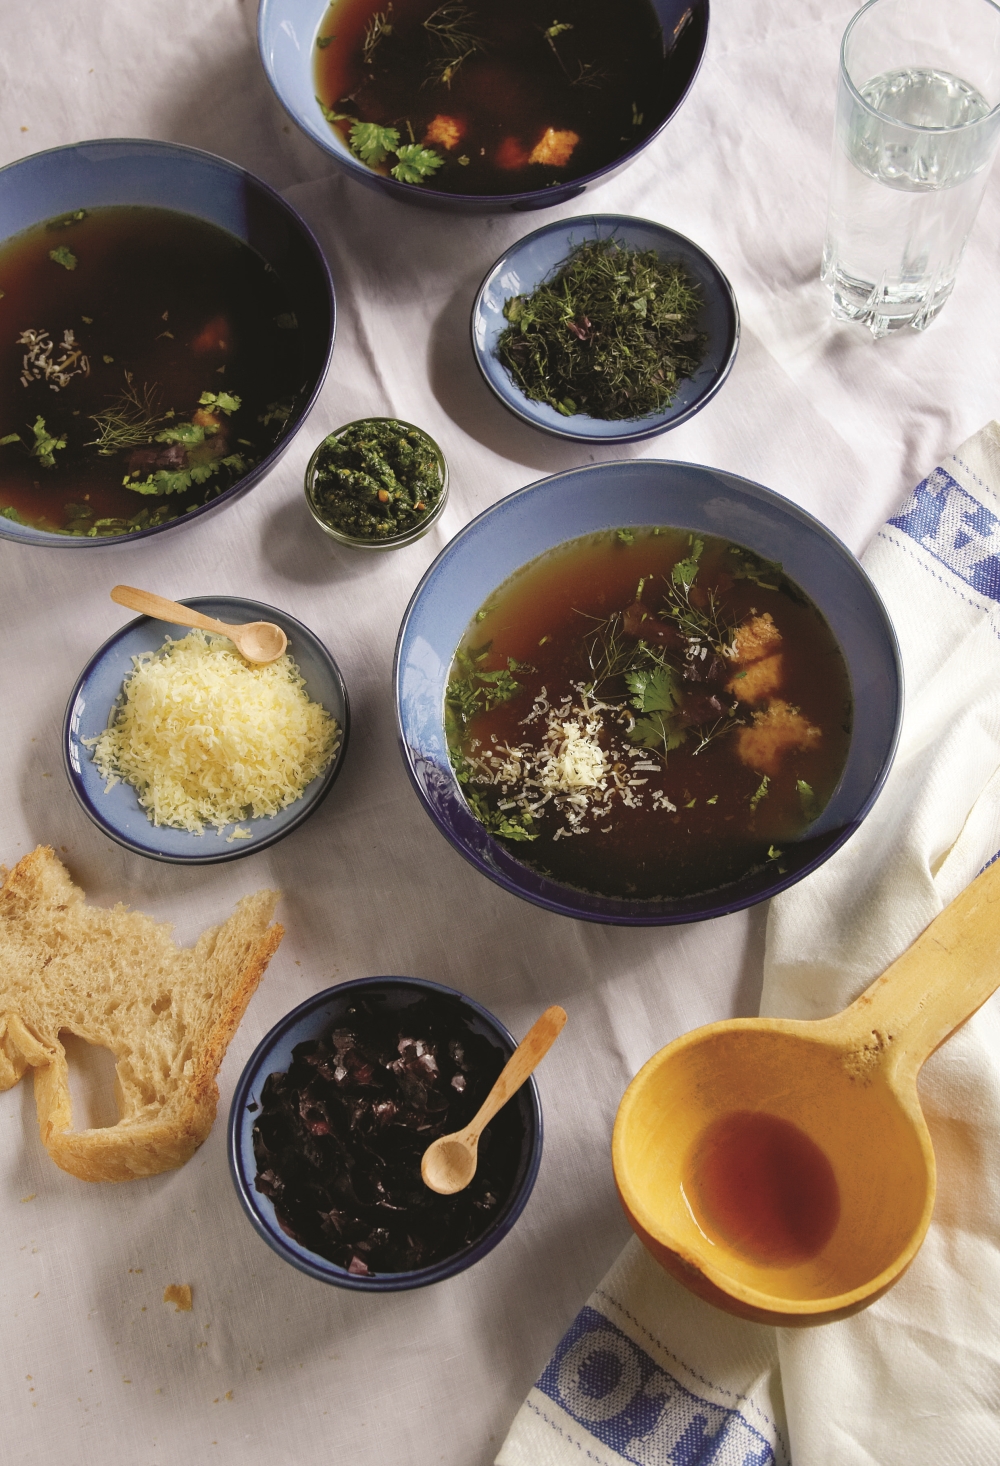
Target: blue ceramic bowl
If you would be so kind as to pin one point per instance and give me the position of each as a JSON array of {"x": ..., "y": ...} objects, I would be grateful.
[
  {"x": 537, "y": 258},
  {"x": 118, "y": 813},
  {"x": 91, "y": 175},
  {"x": 650, "y": 492},
  {"x": 274, "y": 1054},
  {"x": 286, "y": 38}
]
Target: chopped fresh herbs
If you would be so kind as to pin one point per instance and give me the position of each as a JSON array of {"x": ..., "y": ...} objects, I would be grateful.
[
  {"x": 376, "y": 479},
  {"x": 807, "y": 798},
  {"x": 612, "y": 334},
  {"x": 760, "y": 794},
  {"x": 129, "y": 422},
  {"x": 475, "y": 690},
  {"x": 63, "y": 256},
  {"x": 372, "y": 143},
  {"x": 46, "y": 445},
  {"x": 625, "y": 536},
  {"x": 10, "y": 438},
  {"x": 323, "y": 41},
  {"x": 452, "y": 29},
  {"x": 226, "y": 402},
  {"x": 377, "y": 28}
]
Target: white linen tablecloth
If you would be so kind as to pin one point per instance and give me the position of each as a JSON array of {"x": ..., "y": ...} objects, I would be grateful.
[{"x": 269, "y": 1366}]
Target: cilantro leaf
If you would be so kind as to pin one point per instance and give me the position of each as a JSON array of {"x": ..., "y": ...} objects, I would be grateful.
[
  {"x": 63, "y": 256},
  {"x": 653, "y": 692},
  {"x": 332, "y": 116},
  {"x": 372, "y": 143},
  {"x": 10, "y": 438},
  {"x": 684, "y": 571},
  {"x": 323, "y": 41},
  {"x": 768, "y": 574},
  {"x": 415, "y": 164},
  {"x": 625, "y": 536},
  {"x": 11, "y": 513},
  {"x": 761, "y": 792},
  {"x": 45, "y": 444},
  {"x": 226, "y": 402},
  {"x": 658, "y": 733},
  {"x": 184, "y": 432}
]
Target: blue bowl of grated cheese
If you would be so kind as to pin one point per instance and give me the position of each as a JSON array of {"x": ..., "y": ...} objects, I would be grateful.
[{"x": 115, "y": 807}]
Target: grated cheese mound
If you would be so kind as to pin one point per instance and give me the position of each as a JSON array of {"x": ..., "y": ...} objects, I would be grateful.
[{"x": 206, "y": 738}]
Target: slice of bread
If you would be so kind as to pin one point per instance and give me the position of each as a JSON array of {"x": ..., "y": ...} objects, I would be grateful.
[{"x": 115, "y": 978}]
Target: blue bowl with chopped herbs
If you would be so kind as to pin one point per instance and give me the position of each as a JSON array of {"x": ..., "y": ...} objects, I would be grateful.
[
  {"x": 377, "y": 484},
  {"x": 558, "y": 556},
  {"x": 333, "y": 1112},
  {"x": 166, "y": 323},
  {"x": 605, "y": 329},
  {"x": 487, "y": 110}
]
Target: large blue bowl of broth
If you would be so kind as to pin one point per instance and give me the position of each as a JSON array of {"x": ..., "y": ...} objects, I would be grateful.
[
  {"x": 512, "y": 108},
  {"x": 727, "y": 776},
  {"x": 166, "y": 322}
]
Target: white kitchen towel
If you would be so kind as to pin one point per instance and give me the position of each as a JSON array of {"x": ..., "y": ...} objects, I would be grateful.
[{"x": 649, "y": 1375}]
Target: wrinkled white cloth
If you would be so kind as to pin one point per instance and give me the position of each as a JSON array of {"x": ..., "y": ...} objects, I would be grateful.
[{"x": 648, "y": 1374}]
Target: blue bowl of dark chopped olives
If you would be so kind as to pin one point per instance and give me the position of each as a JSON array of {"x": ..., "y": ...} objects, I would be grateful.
[
  {"x": 377, "y": 484},
  {"x": 334, "y": 1111}
]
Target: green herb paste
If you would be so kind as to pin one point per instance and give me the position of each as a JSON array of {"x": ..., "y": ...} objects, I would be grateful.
[
  {"x": 612, "y": 335},
  {"x": 376, "y": 479}
]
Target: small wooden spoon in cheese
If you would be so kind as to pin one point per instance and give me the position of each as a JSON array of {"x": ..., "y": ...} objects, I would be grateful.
[
  {"x": 449, "y": 1163},
  {"x": 258, "y": 641}
]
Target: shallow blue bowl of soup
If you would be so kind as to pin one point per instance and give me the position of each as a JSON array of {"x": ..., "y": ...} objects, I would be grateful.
[
  {"x": 288, "y": 37},
  {"x": 84, "y": 180},
  {"x": 392, "y": 995},
  {"x": 538, "y": 258},
  {"x": 596, "y": 500},
  {"x": 117, "y": 811}
]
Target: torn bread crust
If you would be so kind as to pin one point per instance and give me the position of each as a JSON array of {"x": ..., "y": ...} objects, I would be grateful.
[{"x": 115, "y": 978}]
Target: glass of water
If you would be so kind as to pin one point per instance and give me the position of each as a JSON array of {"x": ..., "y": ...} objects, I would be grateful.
[{"x": 918, "y": 119}]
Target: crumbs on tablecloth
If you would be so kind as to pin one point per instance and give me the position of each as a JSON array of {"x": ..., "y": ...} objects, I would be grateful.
[{"x": 179, "y": 1293}]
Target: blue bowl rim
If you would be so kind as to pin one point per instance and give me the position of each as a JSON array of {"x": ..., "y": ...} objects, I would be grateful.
[
  {"x": 500, "y": 201},
  {"x": 259, "y": 470},
  {"x": 720, "y": 904},
  {"x": 322, "y": 1269},
  {"x": 238, "y": 850},
  {"x": 656, "y": 422}
]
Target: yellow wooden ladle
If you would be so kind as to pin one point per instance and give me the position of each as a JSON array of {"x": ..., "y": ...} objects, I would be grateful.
[{"x": 849, "y": 1083}]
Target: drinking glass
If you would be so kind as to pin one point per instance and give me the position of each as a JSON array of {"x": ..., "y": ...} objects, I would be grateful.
[{"x": 918, "y": 119}]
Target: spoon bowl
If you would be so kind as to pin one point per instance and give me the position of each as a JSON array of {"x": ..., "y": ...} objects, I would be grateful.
[{"x": 783, "y": 1169}]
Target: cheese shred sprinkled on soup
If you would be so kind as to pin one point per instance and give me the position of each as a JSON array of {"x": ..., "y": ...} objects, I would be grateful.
[{"x": 206, "y": 738}]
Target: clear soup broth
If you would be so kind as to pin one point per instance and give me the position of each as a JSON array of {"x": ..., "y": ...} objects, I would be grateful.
[
  {"x": 648, "y": 713},
  {"x": 147, "y": 360}
]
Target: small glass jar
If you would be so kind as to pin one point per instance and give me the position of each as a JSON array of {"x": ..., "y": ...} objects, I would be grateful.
[{"x": 388, "y": 542}]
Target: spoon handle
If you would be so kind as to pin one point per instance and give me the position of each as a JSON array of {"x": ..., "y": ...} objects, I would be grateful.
[
  {"x": 937, "y": 983},
  {"x": 529, "y": 1053},
  {"x": 163, "y": 610}
]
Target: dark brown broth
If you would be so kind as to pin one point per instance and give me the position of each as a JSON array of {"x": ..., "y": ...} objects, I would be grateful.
[
  {"x": 609, "y": 83},
  {"x": 653, "y": 852},
  {"x": 162, "y": 290}
]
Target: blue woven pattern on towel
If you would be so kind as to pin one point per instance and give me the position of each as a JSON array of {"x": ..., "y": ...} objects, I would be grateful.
[
  {"x": 959, "y": 531},
  {"x": 619, "y": 1394}
]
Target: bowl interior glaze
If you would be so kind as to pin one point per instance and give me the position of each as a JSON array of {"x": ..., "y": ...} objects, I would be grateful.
[
  {"x": 641, "y": 492},
  {"x": 116, "y": 171},
  {"x": 274, "y": 1054}
]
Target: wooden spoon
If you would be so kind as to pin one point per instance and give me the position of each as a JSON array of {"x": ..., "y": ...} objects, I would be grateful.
[
  {"x": 258, "y": 641},
  {"x": 848, "y": 1086},
  {"x": 449, "y": 1163}
]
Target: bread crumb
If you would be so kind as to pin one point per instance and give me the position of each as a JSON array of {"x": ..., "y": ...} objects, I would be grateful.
[
  {"x": 781, "y": 729},
  {"x": 28, "y": 1198},
  {"x": 554, "y": 148},
  {"x": 760, "y": 680},
  {"x": 179, "y": 1293},
  {"x": 446, "y": 131},
  {"x": 756, "y": 638}
]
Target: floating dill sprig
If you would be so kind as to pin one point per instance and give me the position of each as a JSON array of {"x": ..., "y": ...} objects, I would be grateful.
[
  {"x": 612, "y": 335},
  {"x": 129, "y": 422},
  {"x": 451, "y": 27},
  {"x": 379, "y": 26}
]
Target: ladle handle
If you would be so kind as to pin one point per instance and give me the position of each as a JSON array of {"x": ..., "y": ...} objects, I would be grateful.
[
  {"x": 938, "y": 982},
  {"x": 163, "y": 610},
  {"x": 526, "y": 1057}
]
